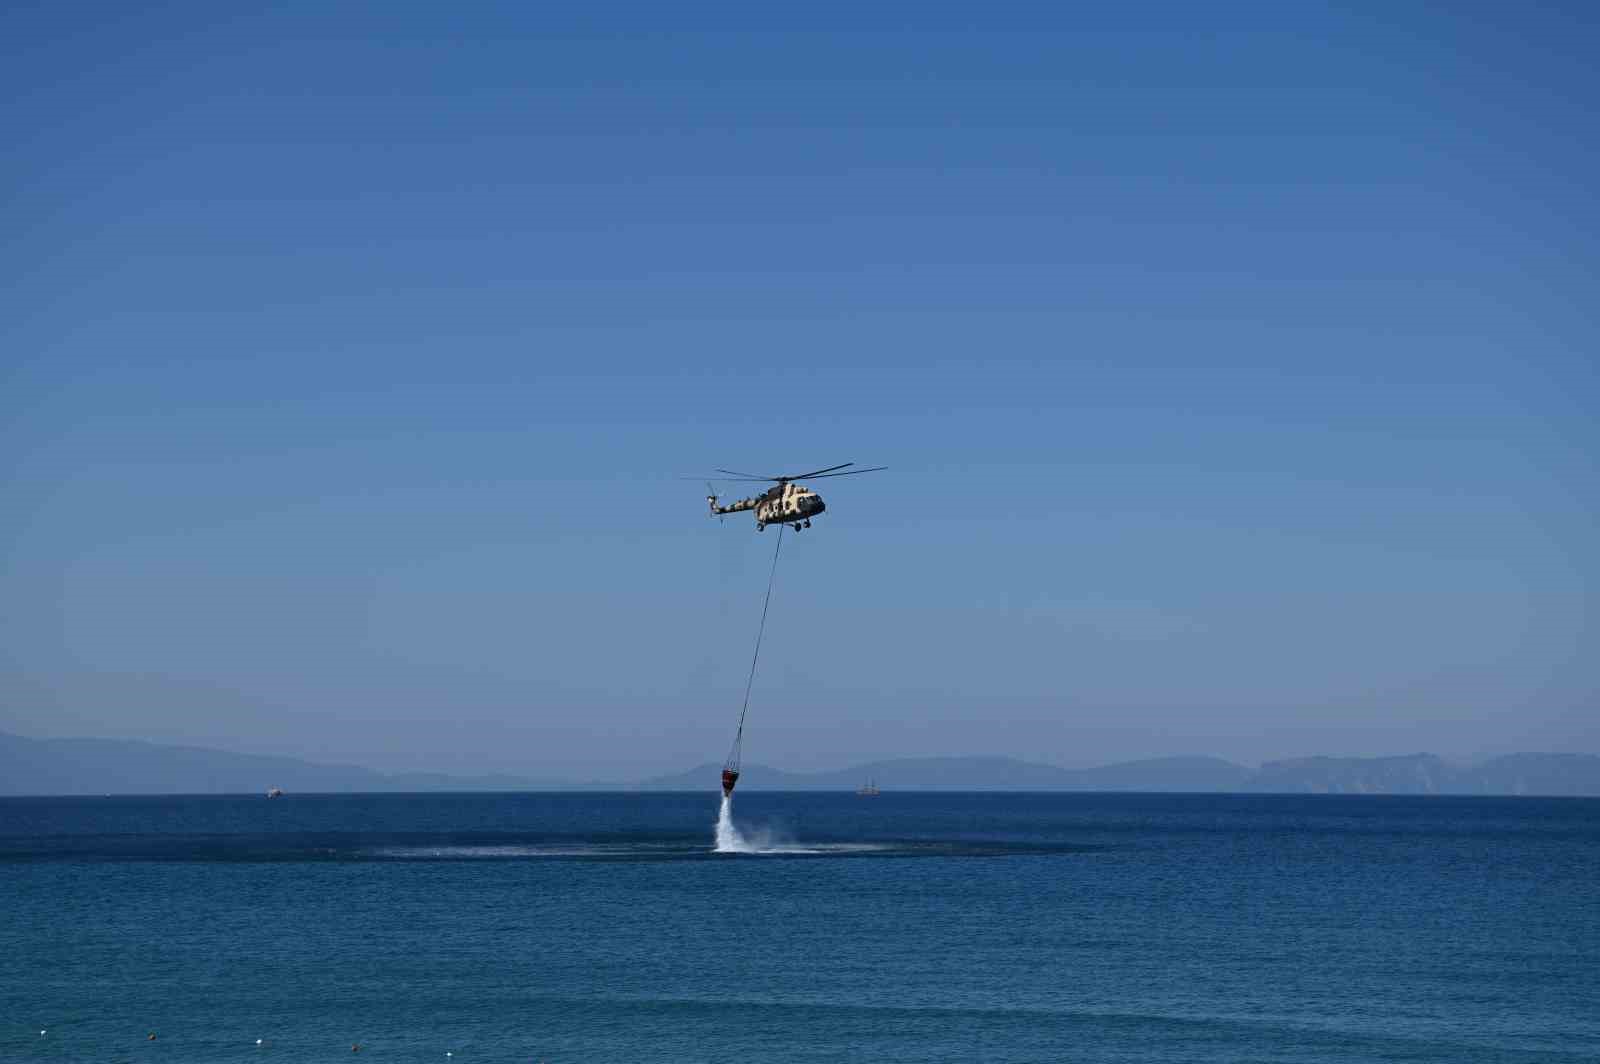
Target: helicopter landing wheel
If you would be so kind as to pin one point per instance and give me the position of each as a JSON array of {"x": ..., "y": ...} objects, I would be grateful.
[
  {"x": 760, "y": 527},
  {"x": 808, "y": 522}
]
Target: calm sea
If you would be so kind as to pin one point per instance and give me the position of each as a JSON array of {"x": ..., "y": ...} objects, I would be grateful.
[{"x": 914, "y": 927}]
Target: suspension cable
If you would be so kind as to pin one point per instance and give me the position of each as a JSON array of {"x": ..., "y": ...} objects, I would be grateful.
[{"x": 761, "y": 631}]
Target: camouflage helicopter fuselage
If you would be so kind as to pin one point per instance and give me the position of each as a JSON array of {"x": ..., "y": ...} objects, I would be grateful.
[{"x": 786, "y": 503}]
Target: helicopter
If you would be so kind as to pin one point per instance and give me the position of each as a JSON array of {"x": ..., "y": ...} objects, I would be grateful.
[{"x": 786, "y": 502}]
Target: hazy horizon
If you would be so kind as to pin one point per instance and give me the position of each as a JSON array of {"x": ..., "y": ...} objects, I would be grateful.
[
  {"x": 562, "y": 773},
  {"x": 1234, "y": 368}
]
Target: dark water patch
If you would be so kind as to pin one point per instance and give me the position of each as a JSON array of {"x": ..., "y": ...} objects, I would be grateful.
[{"x": 929, "y": 928}]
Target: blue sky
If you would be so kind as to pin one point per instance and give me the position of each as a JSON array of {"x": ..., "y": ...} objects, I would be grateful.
[{"x": 1236, "y": 366}]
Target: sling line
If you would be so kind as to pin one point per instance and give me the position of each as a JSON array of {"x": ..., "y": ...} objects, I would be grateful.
[{"x": 761, "y": 630}]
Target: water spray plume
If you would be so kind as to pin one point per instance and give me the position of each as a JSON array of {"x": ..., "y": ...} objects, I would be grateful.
[{"x": 728, "y": 838}]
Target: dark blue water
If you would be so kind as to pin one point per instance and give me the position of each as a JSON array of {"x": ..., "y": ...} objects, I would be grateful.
[{"x": 902, "y": 928}]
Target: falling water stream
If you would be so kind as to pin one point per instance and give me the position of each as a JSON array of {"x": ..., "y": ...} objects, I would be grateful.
[{"x": 728, "y": 838}]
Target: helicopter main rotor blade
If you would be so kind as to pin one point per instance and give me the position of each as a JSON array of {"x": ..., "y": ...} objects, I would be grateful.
[
  {"x": 853, "y": 472},
  {"x": 701, "y": 479},
  {"x": 814, "y": 472}
]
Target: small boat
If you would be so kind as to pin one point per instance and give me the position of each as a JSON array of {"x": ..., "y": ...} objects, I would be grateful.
[
  {"x": 274, "y": 792},
  {"x": 867, "y": 790}
]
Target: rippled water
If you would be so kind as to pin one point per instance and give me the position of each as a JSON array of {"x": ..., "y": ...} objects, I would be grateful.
[{"x": 899, "y": 928}]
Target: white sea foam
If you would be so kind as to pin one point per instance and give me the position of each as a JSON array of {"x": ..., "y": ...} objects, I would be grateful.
[
  {"x": 731, "y": 840},
  {"x": 456, "y": 853},
  {"x": 767, "y": 841}
]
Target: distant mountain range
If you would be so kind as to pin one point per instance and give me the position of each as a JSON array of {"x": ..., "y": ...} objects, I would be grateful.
[
  {"x": 115, "y": 766},
  {"x": 1552, "y": 774},
  {"x": 979, "y": 774},
  {"x": 120, "y": 766}
]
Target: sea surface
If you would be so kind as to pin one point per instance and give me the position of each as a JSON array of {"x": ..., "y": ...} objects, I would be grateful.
[{"x": 907, "y": 927}]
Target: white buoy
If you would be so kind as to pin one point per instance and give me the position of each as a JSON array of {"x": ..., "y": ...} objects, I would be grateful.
[
  {"x": 41, "y": 1034},
  {"x": 258, "y": 1041}
]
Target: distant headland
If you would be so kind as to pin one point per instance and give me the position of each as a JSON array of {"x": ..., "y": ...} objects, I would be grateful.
[{"x": 116, "y": 766}]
